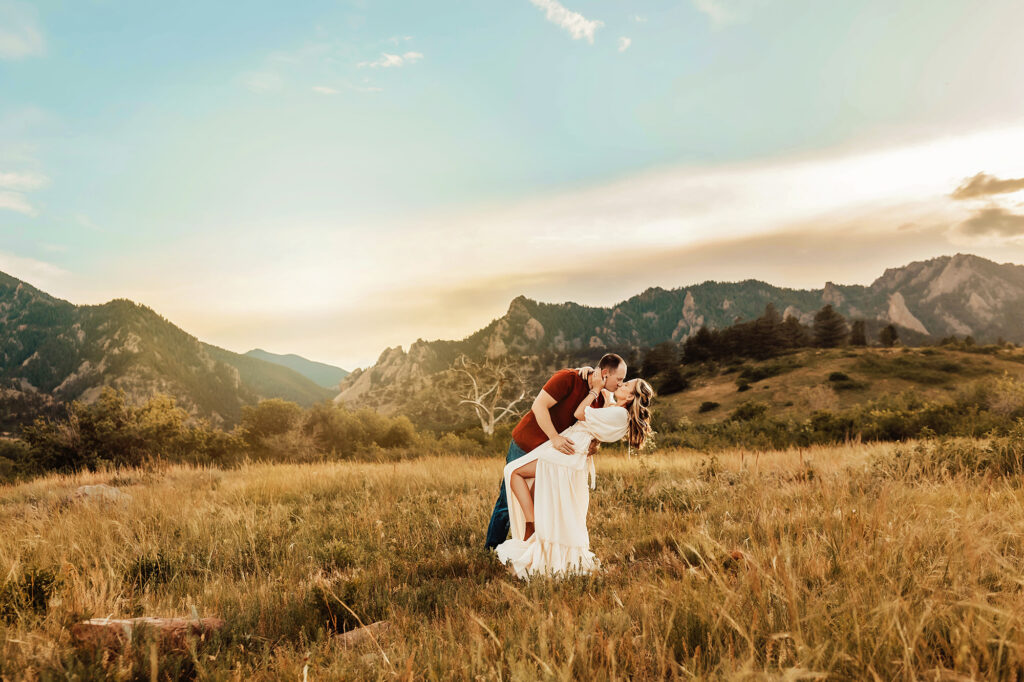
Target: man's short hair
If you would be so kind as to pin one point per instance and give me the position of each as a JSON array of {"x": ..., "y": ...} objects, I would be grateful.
[{"x": 610, "y": 362}]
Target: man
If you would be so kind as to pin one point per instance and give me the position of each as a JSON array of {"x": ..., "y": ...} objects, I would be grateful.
[{"x": 552, "y": 413}]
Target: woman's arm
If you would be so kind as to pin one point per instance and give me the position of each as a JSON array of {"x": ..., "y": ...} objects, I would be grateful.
[{"x": 595, "y": 381}]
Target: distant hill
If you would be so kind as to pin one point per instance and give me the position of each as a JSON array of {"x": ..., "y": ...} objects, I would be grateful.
[
  {"x": 52, "y": 352},
  {"x": 928, "y": 300},
  {"x": 795, "y": 385},
  {"x": 319, "y": 373}
]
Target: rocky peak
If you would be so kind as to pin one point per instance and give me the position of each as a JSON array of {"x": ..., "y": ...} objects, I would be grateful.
[
  {"x": 832, "y": 294},
  {"x": 520, "y": 305}
]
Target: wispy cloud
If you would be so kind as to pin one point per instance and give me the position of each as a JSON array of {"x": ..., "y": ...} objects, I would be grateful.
[
  {"x": 578, "y": 26},
  {"x": 87, "y": 222},
  {"x": 387, "y": 61},
  {"x": 23, "y": 181},
  {"x": 721, "y": 12},
  {"x": 983, "y": 185},
  {"x": 262, "y": 81},
  {"x": 639, "y": 18},
  {"x": 16, "y": 201},
  {"x": 397, "y": 40},
  {"x": 325, "y": 90},
  {"x": 365, "y": 88},
  {"x": 20, "y": 35},
  {"x": 624, "y": 43}
]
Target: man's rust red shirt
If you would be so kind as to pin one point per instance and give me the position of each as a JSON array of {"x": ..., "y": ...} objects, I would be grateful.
[{"x": 568, "y": 390}]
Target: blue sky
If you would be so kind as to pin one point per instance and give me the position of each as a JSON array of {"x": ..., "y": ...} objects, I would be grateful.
[{"x": 329, "y": 178}]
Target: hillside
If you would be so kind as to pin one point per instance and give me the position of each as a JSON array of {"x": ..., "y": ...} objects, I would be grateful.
[
  {"x": 53, "y": 352},
  {"x": 319, "y": 373},
  {"x": 795, "y": 385}
]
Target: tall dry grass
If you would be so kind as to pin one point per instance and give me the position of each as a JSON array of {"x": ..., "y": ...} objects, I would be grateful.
[{"x": 800, "y": 564}]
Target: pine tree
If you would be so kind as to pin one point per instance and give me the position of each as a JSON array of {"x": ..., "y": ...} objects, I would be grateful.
[
  {"x": 888, "y": 336},
  {"x": 661, "y": 358},
  {"x": 699, "y": 347},
  {"x": 794, "y": 334},
  {"x": 858, "y": 337},
  {"x": 830, "y": 328},
  {"x": 766, "y": 337}
]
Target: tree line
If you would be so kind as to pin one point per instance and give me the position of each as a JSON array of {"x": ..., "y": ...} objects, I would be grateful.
[{"x": 764, "y": 337}]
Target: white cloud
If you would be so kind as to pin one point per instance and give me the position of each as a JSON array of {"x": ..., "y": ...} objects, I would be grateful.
[
  {"x": 575, "y": 23},
  {"x": 871, "y": 191},
  {"x": 40, "y": 274},
  {"x": 262, "y": 81},
  {"x": 395, "y": 40},
  {"x": 16, "y": 201},
  {"x": 624, "y": 43},
  {"x": 22, "y": 182},
  {"x": 639, "y": 18},
  {"x": 390, "y": 60},
  {"x": 721, "y": 12},
  {"x": 19, "y": 33},
  {"x": 325, "y": 90}
]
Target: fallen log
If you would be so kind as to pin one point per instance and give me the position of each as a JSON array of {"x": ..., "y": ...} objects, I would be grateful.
[
  {"x": 363, "y": 634},
  {"x": 171, "y": 634}
]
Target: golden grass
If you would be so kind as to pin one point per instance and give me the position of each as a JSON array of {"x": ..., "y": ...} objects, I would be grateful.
[{"x": 840, "y": 572}]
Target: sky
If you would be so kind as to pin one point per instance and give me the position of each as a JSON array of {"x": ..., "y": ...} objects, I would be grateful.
[{"x": 331, "y": 178}]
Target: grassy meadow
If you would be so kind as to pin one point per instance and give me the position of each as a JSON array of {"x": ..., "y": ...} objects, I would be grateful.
[{"x": 878, "y": 561}]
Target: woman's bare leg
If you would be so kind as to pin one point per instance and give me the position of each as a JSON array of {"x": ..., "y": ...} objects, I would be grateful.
[{"x": 521, "y": 490}]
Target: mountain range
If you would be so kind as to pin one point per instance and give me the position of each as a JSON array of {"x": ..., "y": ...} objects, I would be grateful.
[
  {"x": 926, "y": 300},
  {"x": 52, "y": 352}
]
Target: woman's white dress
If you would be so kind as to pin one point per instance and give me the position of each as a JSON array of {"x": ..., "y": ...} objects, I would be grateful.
[{"x": 560, "y": 543}]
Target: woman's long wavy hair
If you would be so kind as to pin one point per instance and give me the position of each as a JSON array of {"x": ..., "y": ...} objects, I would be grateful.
[{"x": 639, "y": 409}]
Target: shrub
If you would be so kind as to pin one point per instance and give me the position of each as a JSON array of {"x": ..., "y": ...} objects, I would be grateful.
[
  {"x": 268, "y": 418},
  {"x": 707, "y": 406},
  {"x": 112, "y": 432},
  {"x": 748, "y": 411}
]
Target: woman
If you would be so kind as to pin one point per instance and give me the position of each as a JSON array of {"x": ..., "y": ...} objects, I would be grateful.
[{"x": 549, "y": 523}]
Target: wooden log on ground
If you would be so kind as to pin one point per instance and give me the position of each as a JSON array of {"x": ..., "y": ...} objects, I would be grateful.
[
  {"x": 363, "y": 634},
  {"x": 172, "y": 634}
]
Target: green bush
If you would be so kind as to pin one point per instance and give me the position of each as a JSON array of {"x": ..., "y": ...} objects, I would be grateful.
[
  {"x": 111, "y": 432},
  {"x": 270, "y": 417},
  {"x": 748, "y": 411}
]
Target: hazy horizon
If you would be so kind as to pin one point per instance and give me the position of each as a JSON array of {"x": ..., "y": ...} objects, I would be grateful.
[{"x": 339, "y": 177}]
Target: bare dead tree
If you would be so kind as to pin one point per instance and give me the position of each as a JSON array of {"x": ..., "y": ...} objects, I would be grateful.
[{"x": 493, "y": 390}]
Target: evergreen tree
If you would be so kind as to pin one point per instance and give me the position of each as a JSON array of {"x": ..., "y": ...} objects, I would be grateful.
[
  {"x": 699, "y": 347},
  {"x": 766, "y": 337},
  {"x": 830, "y": 328},
  {"x": 661, "y": 358},
  {"x": 794, "y": 334},
  {"x": 672, "y": 381},
  {"x": 858, "y": 337},
  {"x": 888, "y": 336}
]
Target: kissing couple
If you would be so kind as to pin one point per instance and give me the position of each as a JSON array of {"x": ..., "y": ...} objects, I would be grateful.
[{"x": 548, "y": 462}]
